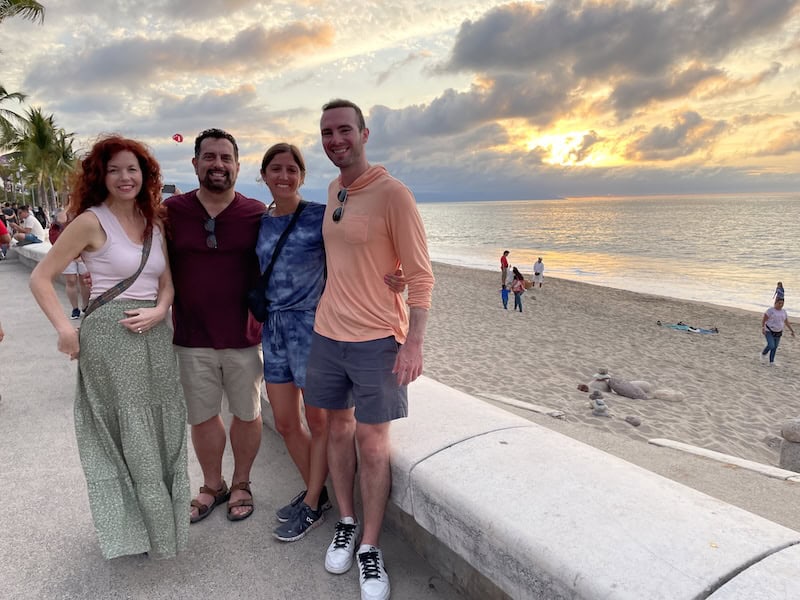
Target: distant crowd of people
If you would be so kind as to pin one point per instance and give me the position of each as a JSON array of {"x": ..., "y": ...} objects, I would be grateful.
[
  {"x": 512, "y": 280},
  {"x": 773, "y": 321},
  {"x": 337, "y": 334}
]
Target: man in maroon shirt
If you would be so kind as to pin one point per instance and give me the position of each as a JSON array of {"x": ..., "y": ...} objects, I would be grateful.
[{"x": 213, "y": 233}]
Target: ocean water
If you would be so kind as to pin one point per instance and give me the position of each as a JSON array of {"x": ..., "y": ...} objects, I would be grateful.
[{"x": 729, "y": 250}]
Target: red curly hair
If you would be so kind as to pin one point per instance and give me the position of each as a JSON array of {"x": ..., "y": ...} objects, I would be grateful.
[{"x": 89, "y": 180}]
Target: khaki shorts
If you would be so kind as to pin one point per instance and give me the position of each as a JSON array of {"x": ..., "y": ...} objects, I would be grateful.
[{"x": 207, "y": 373}]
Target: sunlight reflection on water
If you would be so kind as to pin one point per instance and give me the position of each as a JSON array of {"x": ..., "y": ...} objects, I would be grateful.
[{"x": 728, "y": 250}]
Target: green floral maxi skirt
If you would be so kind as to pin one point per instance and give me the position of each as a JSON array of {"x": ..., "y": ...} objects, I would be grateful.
[{"x": 130, "y": 421}]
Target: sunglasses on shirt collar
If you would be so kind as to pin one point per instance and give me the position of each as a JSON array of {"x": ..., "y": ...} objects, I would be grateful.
[
  {"x": 341, "y": 197},
  {"x": 210, "y": 226}
]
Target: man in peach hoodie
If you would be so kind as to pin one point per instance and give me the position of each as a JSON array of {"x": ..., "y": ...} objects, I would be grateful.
[{"x": 367, "y": 346}]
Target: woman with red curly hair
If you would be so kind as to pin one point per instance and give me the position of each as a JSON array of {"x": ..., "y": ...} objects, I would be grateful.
[{"x": 130, "y": 413}]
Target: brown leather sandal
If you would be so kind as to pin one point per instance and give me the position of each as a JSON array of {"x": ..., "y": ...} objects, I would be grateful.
[
  {"x": 203, "y": 510},
  {"x": 245, "y": 486}
]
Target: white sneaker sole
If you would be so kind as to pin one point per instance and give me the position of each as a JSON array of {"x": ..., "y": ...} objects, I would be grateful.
[{"x": 339, "y": 570}]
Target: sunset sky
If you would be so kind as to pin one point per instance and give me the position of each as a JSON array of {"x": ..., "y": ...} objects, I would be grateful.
[{"x": 464, "y": 99}]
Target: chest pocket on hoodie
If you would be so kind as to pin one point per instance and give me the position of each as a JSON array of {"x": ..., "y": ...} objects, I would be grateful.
[{"x": 356, "y": 228}]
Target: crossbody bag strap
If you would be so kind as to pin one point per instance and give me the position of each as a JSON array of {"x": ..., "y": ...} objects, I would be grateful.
[
  {"x": 281, "y": 241},
  {"x": 123, "y": 285}
]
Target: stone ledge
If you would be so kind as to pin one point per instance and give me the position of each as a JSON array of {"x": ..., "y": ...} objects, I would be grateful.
[
  {"x": 774, "y": 577},
  {"x": 544, "y": 516},
  {"x": 31, "y": 254},
  {"x": 743, "y": 463}
]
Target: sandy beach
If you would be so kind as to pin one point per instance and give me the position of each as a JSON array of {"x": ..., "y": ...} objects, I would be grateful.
[{"x": 732, "y": 403}]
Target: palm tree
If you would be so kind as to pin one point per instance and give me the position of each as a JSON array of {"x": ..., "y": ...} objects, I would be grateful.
[
  {"x": 37, "y": 148},
  {"x": 64, "y": 162},
  {"x": 26, "y": 9},
  {"x": 10, "y": 122},
  {"x": 8, "y": 118},
  {"x": 46, "y": 155}
]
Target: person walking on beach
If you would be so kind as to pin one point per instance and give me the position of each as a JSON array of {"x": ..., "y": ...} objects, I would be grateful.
[
  {"x": 504, "y": 296},
  {"x": 518, "y": 287},
  {"x": 130, "y": 414},
  {"x": 213, "y": 232},
  {"x": 538, "y": 272},
  {"x": 504, "y": 267},
  {"x": 365, "y": 349},
  {"x": 292, "y": 292},
  {"x": 772, "y": 325},
  {"x": 778, "y": 291}
]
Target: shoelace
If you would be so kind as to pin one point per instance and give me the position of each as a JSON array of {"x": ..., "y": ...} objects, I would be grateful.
[
  {"x": 370, "y": 565},
  {"x": 344, "y": 534}
]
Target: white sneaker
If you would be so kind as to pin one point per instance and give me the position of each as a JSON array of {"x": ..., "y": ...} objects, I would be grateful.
[
  {"x": 339, "y": 557},
  {"x": 372, "y": 575},
  {"x": 763, "y": 357}
]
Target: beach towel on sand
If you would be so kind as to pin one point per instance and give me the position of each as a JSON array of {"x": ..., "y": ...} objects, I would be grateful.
[{"x": 681, "y": 326}]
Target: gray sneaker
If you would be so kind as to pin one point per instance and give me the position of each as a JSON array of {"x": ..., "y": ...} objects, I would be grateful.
[
  {"x": 303, "y": 521},
  {"x": 372, "y": 574},
  {"x": 339, "y": 557},
  {"x": 285, "y": 513}
]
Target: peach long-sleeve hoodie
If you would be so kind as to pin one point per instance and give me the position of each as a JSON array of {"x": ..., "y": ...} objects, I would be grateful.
[{"x": 380, "y": 230}]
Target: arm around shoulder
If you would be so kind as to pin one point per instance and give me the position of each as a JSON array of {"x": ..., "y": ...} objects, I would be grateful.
[{"x": 411, "y": 246}]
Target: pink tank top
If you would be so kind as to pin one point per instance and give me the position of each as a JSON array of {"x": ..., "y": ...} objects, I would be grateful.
[{"x": 119, "y": 258}]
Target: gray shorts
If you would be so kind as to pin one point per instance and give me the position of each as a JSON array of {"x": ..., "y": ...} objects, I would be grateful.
[
  {"x": 346, "y": 374},
  {"x": 206, "y": 373}
]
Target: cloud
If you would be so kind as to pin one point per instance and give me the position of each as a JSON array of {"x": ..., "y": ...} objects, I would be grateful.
[
  {"x": 411, "y": 58},
  {"x": 538, "y": 100},
  {"x": 580, "y": 152},
  {"x": 643, "y": 52},
  {"x": 384, "y": 147},
  {"x": 631, "y": 94},
  {"x": 784, "y": 143},
  {"x": 598, "y": 39},
  {"x": 725, "y": 86},
  {"x": 137, "y": 62},
  {"x": 458, "y": 88},
  {"x": 690, "y": 132}
]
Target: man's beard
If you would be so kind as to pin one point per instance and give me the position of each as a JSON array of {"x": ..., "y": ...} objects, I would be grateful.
[{"x": 215, "y": 186}]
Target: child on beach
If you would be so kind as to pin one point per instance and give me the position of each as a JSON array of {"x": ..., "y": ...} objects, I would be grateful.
[
  {"x": 504, "y": 296},
  {"x": 778, "y": 295}
]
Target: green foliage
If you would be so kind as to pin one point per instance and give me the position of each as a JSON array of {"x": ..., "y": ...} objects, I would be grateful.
[
  {"x": 34, "y": 147},
  {"x": 25, "y": 9}
]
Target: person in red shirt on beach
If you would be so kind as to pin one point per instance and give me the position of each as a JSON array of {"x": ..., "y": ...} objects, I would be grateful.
[
  {"x": 504, "y": 267},
  {"x": 366, "y": 348}
]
